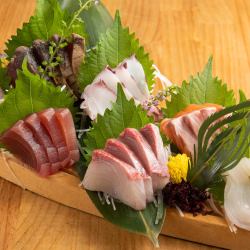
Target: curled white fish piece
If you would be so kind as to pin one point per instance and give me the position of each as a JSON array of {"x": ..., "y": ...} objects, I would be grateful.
[
  {"x": 237, "y": 195},
  {"x": 101, "y": 93}
]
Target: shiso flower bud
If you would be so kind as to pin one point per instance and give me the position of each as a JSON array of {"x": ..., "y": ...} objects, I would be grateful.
[{"x": 178, "y": 168}]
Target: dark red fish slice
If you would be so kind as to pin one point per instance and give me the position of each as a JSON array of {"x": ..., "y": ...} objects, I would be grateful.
[
  {"x": 42, "y": 136},
  {"x": 51, "y": 124},
  {"x": 20, "y": 140},
  {"x": 67, "y": 127}
]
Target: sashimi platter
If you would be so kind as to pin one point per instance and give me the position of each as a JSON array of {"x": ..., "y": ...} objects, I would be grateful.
[{"x": 80, "y": 95}]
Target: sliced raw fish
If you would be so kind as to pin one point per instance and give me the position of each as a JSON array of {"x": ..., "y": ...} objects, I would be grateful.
[
  {"x": 67, "y": 127},
  {"x": 184, "y": 128},
  {"x": 51, "y": 124},
  {"x": 110, "y": 79},
  {"x": 120, "y": 180},
  {"x": 137, "y": 72},
  {"x": 129, "y": 83},
  {"x": 152, "y": 134},
  {"x": 122, "y": 152},
  {"x": 20, "y": 141},
  {"x": 138, "y": 144},
  {"x": 42, "y": 136},
  {"x": 97, "y": 98}
]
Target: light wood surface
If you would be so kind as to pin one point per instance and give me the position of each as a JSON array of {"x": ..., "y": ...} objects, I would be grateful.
[
  {"x": 180, "y": 35},
  {"x": 64, "y": 188}
]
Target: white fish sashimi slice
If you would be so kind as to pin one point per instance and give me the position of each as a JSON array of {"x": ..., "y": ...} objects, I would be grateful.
[
  {"x": 236, "y": 194},
  {"x": 122, "y": 152},
  {"x": 108, "y": 174},
  {"x": 110, "y": 79},
  {"x": 136, "y": 70},
  {"x": 138, "y": 144},
  {"x": 152, "y": 134},
  {"x": 97, "y": 98},
  {"x": 129, "y": 83}
]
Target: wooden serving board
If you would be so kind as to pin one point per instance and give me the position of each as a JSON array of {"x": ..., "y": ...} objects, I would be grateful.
[{"x": 64, "y": 188}]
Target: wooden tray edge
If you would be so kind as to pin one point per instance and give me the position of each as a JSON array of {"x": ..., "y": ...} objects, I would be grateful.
[{"x": 64, "y": 188}]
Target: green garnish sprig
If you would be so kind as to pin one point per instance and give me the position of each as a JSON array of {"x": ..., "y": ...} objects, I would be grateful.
[
  {"x": 222, "y": 142},
  {"x": 54, "y": 47}
]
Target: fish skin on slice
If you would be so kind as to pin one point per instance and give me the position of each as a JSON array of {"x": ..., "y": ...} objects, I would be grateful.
[
  {"x": 65, "y": 120},
  {"x": 20, "y": 141},
  {"x": 152, "y": 135},
  {"x": 49, "y": 121},
  {"x": 138, "y": 144},
  {"x": 97, "y": 98},
  {"x": 183, "y": 129},
  {"x": 110, "y": 79},
  {"x": 123, "y": 153},
  {"x": 120, "y": 180}
]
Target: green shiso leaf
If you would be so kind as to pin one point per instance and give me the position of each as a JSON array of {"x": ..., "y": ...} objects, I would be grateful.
[
  {"x": 114, "y": 46},
  {"x": 49, "y": 19},
  {"x": 96, "y": 19},
  {"x": 227, "y": 130},
  {"x": 142, "y": 222},
  {"x": 202, "y": 88},
  {"x": 4, "y": 79},
  {"x": 32, "y": 94},
  {"x": 124, "y": 114}
]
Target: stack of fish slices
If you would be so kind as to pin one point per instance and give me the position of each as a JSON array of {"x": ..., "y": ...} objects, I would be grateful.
[
  {"x": 45, "y": 141},
  {"x": 131, "y": 168}
]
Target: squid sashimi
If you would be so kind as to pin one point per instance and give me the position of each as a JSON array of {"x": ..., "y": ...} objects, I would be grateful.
[
  {"x": 67, "y": 126},
  {"x": 108, "y": 174},
  {"x": 138, "y": 144},
  {"x": 137, "y": 73},
  {"x": 122, "y": 152},
  {"x": 152, "y": 134},
  {"x": 20, "y": 140},
  {"x": 184, "y": 128},
  {"x": 41, "y": 135},
  {"x": 97, "y": 98}
]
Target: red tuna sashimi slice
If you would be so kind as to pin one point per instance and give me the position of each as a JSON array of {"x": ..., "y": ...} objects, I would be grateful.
[
  {"x": 137, "y": 143},
  {"x": 67, "y": 126},
  {"x": 152, "y": 134},
  {"x": 108, "y": 174},
  {"x": 42, "y": 136},
  {"x": 20, "y": 141},
  {"x": 122, "y": 152},
  {"x": 50, "y": 123}
]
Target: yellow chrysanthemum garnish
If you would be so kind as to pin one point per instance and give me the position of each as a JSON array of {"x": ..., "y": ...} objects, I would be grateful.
[
  {"x": 178, "y": 168},
  {"x": 4, "y": 62}
]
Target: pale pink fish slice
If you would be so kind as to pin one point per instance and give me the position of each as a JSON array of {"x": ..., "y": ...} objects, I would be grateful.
[
  {"x": 120, "y": 180},
  {"x": 138, "y": 144},
  {"x": 122, "y": 152}
]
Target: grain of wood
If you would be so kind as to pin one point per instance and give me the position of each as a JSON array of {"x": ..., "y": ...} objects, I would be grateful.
[{"x": 180, "y": 35}]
